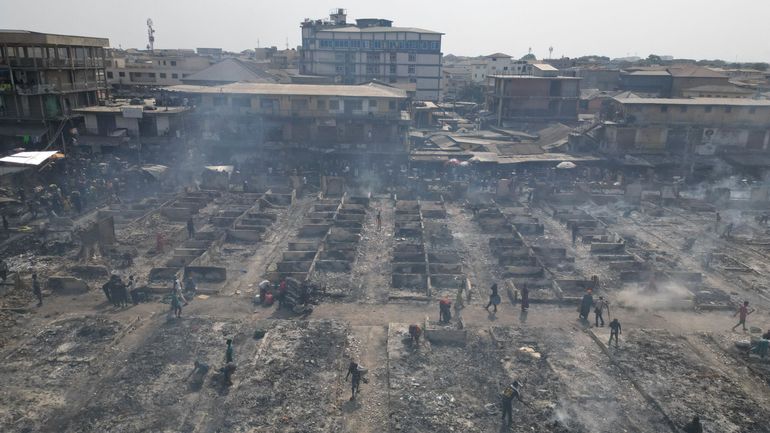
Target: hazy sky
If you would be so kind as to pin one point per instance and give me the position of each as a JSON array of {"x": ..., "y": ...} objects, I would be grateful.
[{"x": 683, "y": 28}]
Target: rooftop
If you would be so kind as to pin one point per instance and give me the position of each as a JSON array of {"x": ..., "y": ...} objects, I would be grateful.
[
  {"x": 119, "y": 108},
  {"x": 379, "y": 29},
  {"x": 8, "y": 36},
  {"x": 696, "y": 101},
  {"x": 370, "y": 90},
  {"x": 533, "y": 77}
]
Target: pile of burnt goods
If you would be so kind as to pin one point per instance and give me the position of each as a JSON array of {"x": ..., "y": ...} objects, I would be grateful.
[{"x": 299, "y": 297}]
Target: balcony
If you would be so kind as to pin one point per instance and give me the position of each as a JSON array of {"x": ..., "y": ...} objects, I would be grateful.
[
  {"x": 39, "y": 63},
  {"x": 44, "y": 89}
]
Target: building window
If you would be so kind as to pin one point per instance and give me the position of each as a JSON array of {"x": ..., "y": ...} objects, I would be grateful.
[
  {"x": 393, "y": 80},
  {"x": 413, "y": 80},
  {"x": 173, "y": 63},
  {"x": 412, "y": 69},
  {"x": 339, "y": 69},
  {"x": 121, "y": 74},
  {"x": 334, "y": 104},
  {"x": 174, "y": 75},
  {"x": 268, "y": 103},
  {"x": 707, "y": 109},
  {"x": 683, "y": 108},
  {"x": 372, "y": 69},
  {"x": 663, "y": 108},
  {"x": 162, "y": 75},
  {"x": 355, "y": 104},
  {"x": 243, "y": 101},
  {"x": 299, "y": 104},
  {"x": 109, "y": 74},
  {"x": 151, "y": 74},
  {"x": 372, "y": 103},
  {"x": 320, "y": 104},
  {"x": 392, "y": 57},
  {"x": 392, "y": 105},
  {"x": 219, "y": 101},
  {"x": 185, "y": 75},
  {"x": 392, "y": 69},
  {"x": 412, "y": 57},
  {"x": 728, "y": 109},
  {"x": 372, "y": 57}
]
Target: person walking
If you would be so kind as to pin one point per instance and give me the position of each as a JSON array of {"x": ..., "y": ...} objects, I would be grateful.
[
  {"x": 229, "y": 353},
  {"x": 177, "y": 301},
  {"x": 599, "y": 308},
  {"x": 354, "y": 372},
  {"x": 36, "y": 290},
  {"x": 494, "y": 298},
  {"x": 585, "y": 305},
  {"x": 190, "y": 228},
  {"x": 742, "y": 313},
  {"x": 379, "y": 219},
  {"x": 524, "y": 297},
  {"x": 615, "y": 331}
]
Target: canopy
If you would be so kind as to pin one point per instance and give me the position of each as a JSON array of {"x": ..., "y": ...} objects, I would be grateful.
[
  {"x": 566, "y": 165},
  {"x": 30, "y": 158}
]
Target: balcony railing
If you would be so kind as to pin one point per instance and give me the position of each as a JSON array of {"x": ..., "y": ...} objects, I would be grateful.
[
  {"x": 41, "y": 63},
  {"x": 42, "y": 89}
]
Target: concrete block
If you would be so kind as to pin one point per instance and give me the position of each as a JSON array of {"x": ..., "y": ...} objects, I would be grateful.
[
  {"x": 67, "y": 285},
  {"x": 209, "y": 274}
]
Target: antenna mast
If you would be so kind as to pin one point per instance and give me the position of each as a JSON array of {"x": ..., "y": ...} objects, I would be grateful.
[{"x": 150, "y": 35}]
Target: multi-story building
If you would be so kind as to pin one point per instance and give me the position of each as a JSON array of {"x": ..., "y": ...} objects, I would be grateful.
[
  {"x": 135, "y": 68},
  {"x": 366, "y": 119},
  {"x": 406, "y": 57},
  {"x": 687, "y": 125},
  {"x": 43, "y": 77},
  {"x": 530, "y": 98},
  {"x": 497, "y": 64}
]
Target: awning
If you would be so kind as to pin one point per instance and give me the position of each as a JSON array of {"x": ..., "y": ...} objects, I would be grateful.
[
  {"x": 220, "y": 168},
  {"x": 155, "y": 171},
  {"x": 29, "y": 158}
]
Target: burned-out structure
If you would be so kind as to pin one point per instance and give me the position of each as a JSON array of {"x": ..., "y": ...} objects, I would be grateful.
[{"x": 300, "y": 124}]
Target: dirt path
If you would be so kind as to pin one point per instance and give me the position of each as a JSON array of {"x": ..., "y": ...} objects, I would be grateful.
[
  {"x": 271, "y": 247},
  {"x": 473, "y": 246},
  {"x": 368, "y": 413},
  {"x": 371, "y": 274}
]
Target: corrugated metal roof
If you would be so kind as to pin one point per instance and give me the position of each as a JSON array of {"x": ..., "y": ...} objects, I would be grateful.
[
  {"x": 696, "y": 101},
  {"x": 369, "y": 90},
  {"x": 29, "y": 158}
]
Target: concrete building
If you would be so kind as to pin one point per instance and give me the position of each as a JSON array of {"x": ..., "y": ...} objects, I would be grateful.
[
  {"x": 718, "y": 91},
  {"x": 365, "y": 118},
  {"x": 406, "y": 57},
  {"x": 687, "y": 126},
  {"x": 593, "y": 77},
  {"x": 43, "y": 77},
  {"x": 453, "y": 80},
  {"x": 671, "y": 81},
  {"x": 527, "y": 98},
  {"x": 135, "y": 68},
  {"x": 122, "y": 124},
  {"x": 497, "y": 64}
]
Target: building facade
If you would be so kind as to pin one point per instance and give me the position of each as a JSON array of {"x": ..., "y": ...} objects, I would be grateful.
[
  {"x": 43, "y": 78},
  {"x": 703, "y": 126},
  {"x": 366, "y": 118},
  {"x": 406, "y": 57},
  {"x": 135, "y": 68},
  {"x": 527, "y": 98}
]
